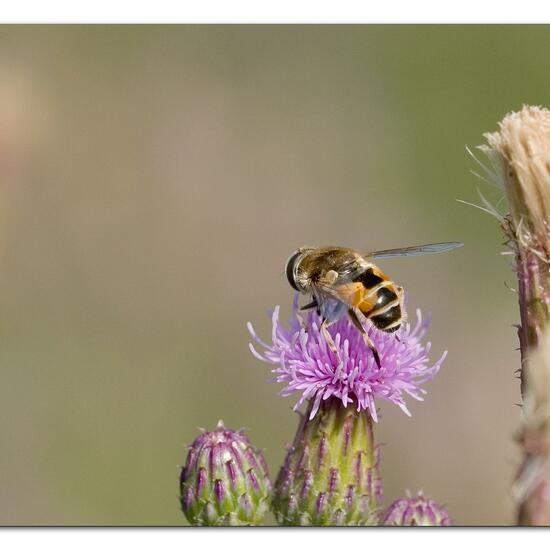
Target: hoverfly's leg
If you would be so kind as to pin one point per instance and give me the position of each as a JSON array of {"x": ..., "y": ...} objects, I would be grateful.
[
  {"x": 329, "y": 340},
  {"x": 301, "y": 320},
  {"x": 355, "y": 320},
  {"x": 309, "y": 306},
  {"x": 401, "y": 295}
]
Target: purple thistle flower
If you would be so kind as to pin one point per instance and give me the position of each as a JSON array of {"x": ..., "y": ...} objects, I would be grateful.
[{"x": 307, "y": 365}]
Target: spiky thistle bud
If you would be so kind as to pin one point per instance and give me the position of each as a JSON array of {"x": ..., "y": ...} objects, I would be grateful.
[
  {"x": 416, "y": 511},
  {"x": 225, "y": 480},
  {"x": 330, "y": 475},
  {"x": 520, "y": 156}
]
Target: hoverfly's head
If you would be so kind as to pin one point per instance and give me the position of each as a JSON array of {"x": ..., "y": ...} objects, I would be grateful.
[{"x": 292, "y": 269}]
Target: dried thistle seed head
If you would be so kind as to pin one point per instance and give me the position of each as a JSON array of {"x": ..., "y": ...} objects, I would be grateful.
[
  {"x": 225, "y": 480},
  {"x": 523, "y": 144},
  {"x": 416, "y": 511},
  {"x": 331, "y": 473}
]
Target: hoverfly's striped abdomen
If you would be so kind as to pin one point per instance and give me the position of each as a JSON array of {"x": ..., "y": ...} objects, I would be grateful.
[{"x": 380, "y": 303}]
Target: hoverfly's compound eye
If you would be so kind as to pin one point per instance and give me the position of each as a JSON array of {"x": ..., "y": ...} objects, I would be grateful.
[{"x": 290, "y": 269}]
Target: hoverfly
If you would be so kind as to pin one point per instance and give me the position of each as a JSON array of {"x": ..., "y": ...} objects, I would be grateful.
[{"x": 341, "y": 280}]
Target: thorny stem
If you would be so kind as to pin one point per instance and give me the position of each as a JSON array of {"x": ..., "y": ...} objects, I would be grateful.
[{"x": 520, "y": 153}]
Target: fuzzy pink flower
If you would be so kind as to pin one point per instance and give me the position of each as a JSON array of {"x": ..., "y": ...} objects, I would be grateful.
[{"x": 307, "y": 366}]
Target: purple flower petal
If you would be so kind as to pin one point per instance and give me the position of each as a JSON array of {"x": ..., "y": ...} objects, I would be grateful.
[{"x": 306, "y": 365}]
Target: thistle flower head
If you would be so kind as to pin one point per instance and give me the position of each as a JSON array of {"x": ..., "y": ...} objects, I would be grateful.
[
  {"x": 416, "y": 511},
  {"x": 225, "y": 480},
  {"x": 306, "y": 365}
]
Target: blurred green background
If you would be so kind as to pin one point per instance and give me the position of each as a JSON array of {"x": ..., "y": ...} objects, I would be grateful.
[{"x": 154, "y": 180}]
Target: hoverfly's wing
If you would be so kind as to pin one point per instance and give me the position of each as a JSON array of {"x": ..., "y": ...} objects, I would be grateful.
[
  {"x": 330, "y": 303},
  {"x": 422, "y": 250},
  {"x": 334, "y": 296}
]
